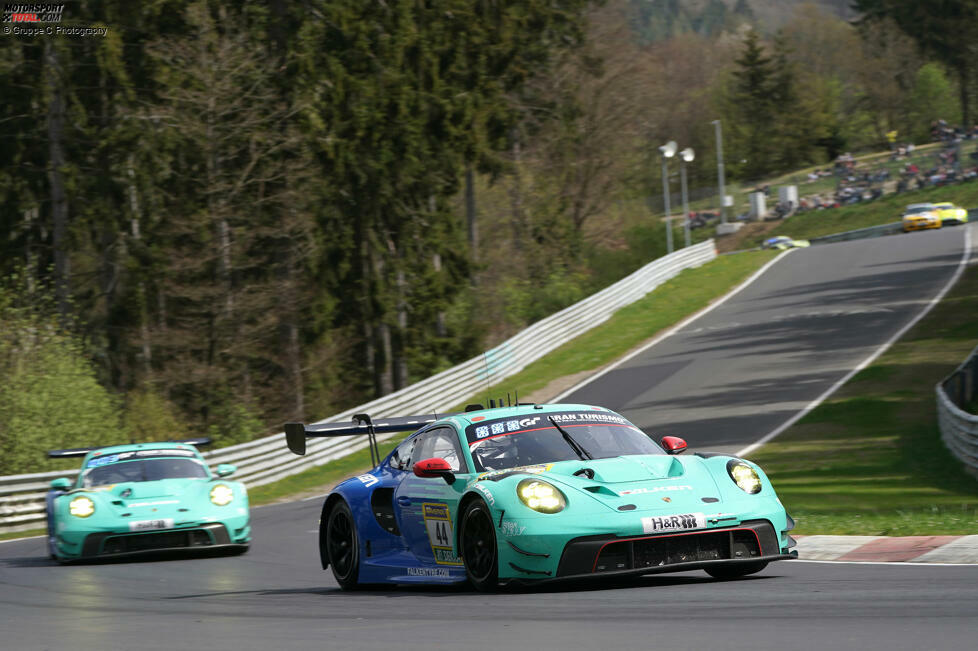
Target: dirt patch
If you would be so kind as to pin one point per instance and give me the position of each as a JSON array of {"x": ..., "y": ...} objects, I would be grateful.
[{"x": 736, "y": 241}]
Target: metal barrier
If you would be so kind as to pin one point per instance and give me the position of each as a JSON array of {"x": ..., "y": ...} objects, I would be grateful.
[
  {"x": 860, "y": 233},
  {"x": 959, "y": 428},
  {"x": 266, "y": 460}
]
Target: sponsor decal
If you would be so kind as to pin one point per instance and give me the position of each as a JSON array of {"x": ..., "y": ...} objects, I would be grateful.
[
  {"x": 367, "y": 480},
  {"x": 666, "y": 499},
  {"x": 429, "y": 571},
  {"x": 438, "y": 523},
  {"x": 159, "y": 503},
  {"x": 515, "y": 425},
  {"x": 486, "y": 493},
  {"x": 151, "y": 525},
  {"x": 496, "y": 475},
  {"x": 510, "y": 528},
  {"x": 654, "y": 489},
  {"x": 680, "y": 522}
]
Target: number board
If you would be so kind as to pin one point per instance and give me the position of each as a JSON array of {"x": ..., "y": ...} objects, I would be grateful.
[{"x": 438, "y": 523}]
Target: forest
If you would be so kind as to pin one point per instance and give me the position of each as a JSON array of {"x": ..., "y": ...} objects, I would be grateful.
[{"x": 218, "y": 217}]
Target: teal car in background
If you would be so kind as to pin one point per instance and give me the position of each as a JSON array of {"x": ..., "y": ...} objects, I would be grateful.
[
  {"x": 145, "y": 498},
  {"x": 533, "y": 493}
]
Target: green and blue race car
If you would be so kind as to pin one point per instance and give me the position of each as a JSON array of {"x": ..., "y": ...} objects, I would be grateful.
[
  {"x": 145, "y": 498},
  {"x": 541, "y": 492}
]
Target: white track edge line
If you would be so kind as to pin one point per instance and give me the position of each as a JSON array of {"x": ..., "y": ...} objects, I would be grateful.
[
  {"x": 962, "y": 264},
  {"x": 674, "y": 329}
]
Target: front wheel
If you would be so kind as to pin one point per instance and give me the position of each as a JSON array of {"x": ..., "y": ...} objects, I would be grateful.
[
  {"x": 477, "y": 541},
  {"x": 735, "y": 571},
  {"x": 342, "y": 546}
]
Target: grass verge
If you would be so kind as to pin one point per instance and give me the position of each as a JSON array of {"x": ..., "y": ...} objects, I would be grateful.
[
  {"x": 869, "y": 460},
  {"x": 690, "y": 291}
]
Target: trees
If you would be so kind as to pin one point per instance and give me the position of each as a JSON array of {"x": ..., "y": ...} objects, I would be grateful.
[{"x": 946, "y": 30}]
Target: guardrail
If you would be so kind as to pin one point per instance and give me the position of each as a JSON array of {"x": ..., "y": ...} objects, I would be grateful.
[
  {"x": 266, "y": 460},
  {"x": 959, "y": 428}
]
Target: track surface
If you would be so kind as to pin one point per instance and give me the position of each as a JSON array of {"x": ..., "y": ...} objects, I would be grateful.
[
  {"x": 748, "y": 366},
  {"x": 722, "y": 382}
]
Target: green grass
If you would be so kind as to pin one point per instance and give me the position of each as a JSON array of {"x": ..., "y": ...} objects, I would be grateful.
[{"x": 870, "y": 460}]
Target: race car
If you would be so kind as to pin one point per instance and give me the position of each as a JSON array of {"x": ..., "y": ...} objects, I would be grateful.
[
  {"x": 920, "y": 216},
  {"x": 950, "y": 214},
  {"x": 531, "y": 493},
  {"x": 145, "y": 498},
  {"x": 782, "y": 242}
]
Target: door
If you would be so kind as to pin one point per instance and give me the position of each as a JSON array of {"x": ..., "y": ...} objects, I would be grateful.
[{"x": 427, "y": 506}]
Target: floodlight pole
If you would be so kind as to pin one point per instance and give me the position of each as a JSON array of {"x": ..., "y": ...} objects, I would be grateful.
[
  {"x": 720, "y": 175},
  {"x": 686, "y": 156},
  {"x": 665, "y": 198}
]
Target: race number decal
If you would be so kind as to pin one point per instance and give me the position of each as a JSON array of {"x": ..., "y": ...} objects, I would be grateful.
[{"x": 439, "y": 525}]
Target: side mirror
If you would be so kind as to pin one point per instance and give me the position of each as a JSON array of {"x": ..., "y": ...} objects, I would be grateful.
[
  {"x": 61, "y": 484},
  {"x": 673, "y": 444},
  {"x": 435, "y": 467},
  {"x": 225, "y": 469}
]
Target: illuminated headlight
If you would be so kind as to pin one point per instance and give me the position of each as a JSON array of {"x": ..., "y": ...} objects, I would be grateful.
[
  {"x": 222, "y": 495},
  {"x": 81, "y": 507},
  {"x": 540, "y": 496},
  {"x": 744, "y": 476}
]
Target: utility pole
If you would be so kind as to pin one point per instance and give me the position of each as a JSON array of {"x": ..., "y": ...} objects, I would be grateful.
[{"x": 720, "y": 175}]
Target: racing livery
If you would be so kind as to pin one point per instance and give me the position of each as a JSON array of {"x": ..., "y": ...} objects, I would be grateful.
[
  {"x": 541, "y": 492},
  {"x": 142, "y": 498}
]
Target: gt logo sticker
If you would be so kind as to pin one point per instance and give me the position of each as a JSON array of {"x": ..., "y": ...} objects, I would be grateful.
[
  {"x": 438, "y": 523},
  {"x": 674, "y": 522}
]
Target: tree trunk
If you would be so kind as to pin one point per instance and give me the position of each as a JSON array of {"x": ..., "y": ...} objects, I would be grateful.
[
  {"x": 56, "y": 163},
  {"x": 470, "y": 214}
]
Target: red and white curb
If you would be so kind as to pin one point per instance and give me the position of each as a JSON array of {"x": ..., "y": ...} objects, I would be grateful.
[{"x": 885, "y": 549}]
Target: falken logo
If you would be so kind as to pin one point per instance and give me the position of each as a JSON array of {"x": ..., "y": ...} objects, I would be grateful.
[
  {"x": 655, "y": 489},
  {"x": 368, "y": 480}
]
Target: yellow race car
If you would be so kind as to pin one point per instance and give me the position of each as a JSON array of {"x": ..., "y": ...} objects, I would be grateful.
[
  {"x": 951, "y": 214},
  {"x": 920, "y": 216}
]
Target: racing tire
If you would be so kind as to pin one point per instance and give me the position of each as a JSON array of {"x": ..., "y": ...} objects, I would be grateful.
[
  {"x": 724, "y": 572},
  {"x": 477, "y": 542},
  {"x": 343, "y": 546}
]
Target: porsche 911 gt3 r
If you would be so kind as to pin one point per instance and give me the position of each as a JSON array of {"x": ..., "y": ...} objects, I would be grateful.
[
  {"x": 541, "y": 492},
  {"x": 149, "y": 497}
]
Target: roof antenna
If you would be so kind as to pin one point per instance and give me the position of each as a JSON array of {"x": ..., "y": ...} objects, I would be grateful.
[
  {"x": 509, "y": 403},
  {"x": 516, "y": 396}
]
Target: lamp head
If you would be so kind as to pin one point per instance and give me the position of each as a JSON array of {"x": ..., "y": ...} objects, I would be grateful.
[
  {"x": 669, "y": 149},
  {"x": 688, "y": 154}
]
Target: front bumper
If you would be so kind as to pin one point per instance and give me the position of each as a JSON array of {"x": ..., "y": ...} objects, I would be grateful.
[
  {"x": 921, "y": 225},
  {"x": 88, "y": 545}
]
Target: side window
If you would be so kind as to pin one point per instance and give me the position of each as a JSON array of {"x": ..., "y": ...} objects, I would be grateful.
[
  {"x": 442, "y": 443},
  {"x": 401, "y": 459}
]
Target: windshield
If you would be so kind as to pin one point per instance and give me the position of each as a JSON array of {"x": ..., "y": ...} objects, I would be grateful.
[
  {"x": 513, "y": 442},
  {"x": 916, "y": 210},
  {"x": 143, "y": 470}
]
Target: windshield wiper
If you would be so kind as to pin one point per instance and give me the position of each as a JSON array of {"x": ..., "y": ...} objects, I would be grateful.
[{"x": 578, "y": 449}]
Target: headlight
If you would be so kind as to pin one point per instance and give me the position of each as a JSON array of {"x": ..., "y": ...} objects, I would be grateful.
[
  {"x": 540, "y": 496},
  {"x": 81, "y": 507},
  {"x": 744, "y": 476},
  {"x": 222, "y": 495}
]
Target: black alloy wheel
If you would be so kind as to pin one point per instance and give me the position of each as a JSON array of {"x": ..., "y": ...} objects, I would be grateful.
[
  {"x": 478, "y": 545},
  {"x": 342, "y": 548},
  {"x": 735, "y": 571}
]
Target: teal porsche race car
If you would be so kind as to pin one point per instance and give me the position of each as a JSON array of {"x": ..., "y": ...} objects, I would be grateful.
[
  {"x": 145, "y": 498},
  {"x": 533, "y": 493}
]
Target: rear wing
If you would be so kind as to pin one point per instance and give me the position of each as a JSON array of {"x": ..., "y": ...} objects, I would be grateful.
[
  {"x": 296, "y": 433},
  {"x": 80, "y": 452}
]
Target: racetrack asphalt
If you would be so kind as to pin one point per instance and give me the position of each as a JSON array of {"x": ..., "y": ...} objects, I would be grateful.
[{"x": 722, "y": 382}]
